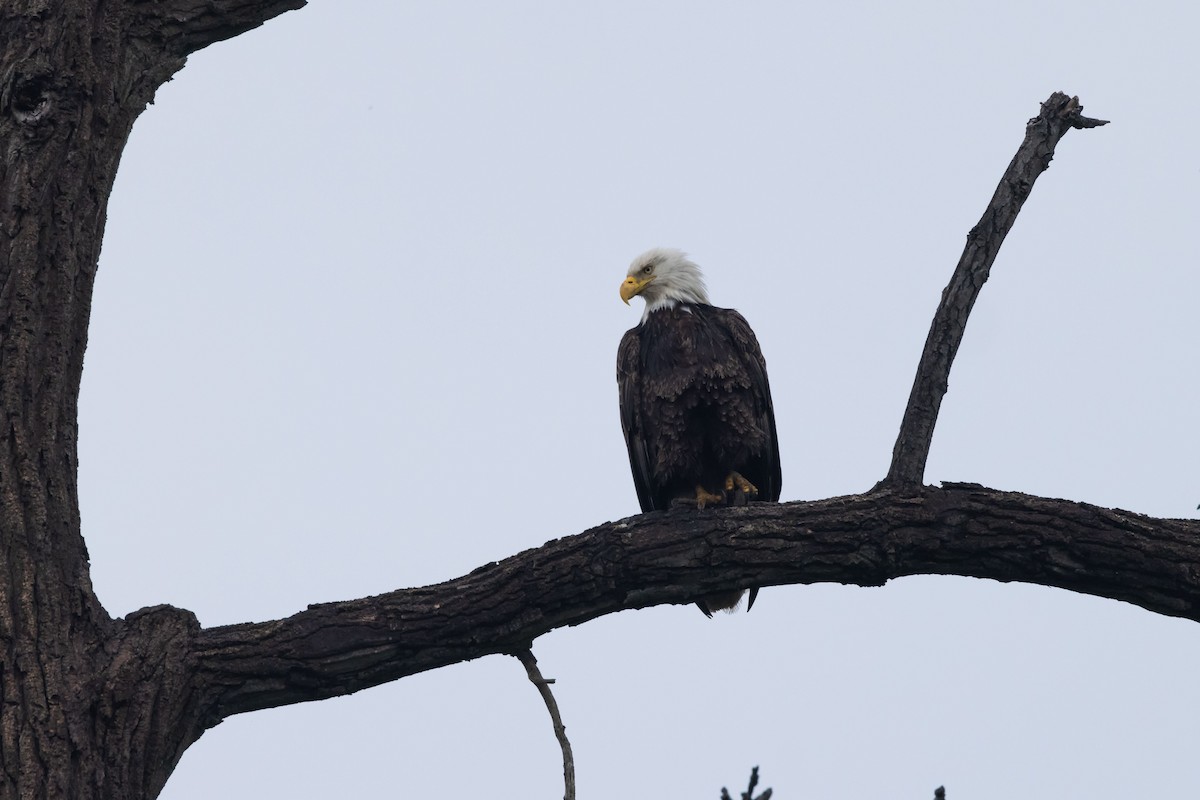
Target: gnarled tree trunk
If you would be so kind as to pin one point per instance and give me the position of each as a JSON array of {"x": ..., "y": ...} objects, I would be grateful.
[{"x": 92, "y": 707}]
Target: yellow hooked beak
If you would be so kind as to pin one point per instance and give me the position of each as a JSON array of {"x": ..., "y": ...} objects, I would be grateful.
[{"x": 631, "y": 287}]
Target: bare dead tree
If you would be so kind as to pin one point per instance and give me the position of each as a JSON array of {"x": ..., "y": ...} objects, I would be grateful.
[
  {"x": 102, "y": 708},
  {"x": 749, "y": 793}
]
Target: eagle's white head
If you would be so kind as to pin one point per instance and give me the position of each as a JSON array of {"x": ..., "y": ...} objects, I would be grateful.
[{"x": 663, "y": 277}]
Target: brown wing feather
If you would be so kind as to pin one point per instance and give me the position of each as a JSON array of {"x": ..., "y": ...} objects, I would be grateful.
[
  {"x": 629, "y": 387},
  {"x": 752, "y": 358}
]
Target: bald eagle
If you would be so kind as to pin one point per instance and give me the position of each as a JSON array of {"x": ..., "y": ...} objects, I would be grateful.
[{"x": 695, "y": 402}]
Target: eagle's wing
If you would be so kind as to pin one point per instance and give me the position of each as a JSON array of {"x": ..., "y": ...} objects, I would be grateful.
[
  {"x": 756, "y": 366},
  {"x": 629, "y": 386}
]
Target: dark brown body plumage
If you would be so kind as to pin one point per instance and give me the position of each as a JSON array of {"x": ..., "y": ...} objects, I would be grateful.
[{"x": 695, "y": 404}]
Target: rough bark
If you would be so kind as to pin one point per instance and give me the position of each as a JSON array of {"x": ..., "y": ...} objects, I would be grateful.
[
  {"x": 675, "y": 557},
  {"x": 101, "y": 708}
]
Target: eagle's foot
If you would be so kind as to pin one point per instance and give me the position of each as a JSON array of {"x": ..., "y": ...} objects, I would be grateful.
[
  {"x": 706, "y": 498},
  {"x": 742, "y": 488}
]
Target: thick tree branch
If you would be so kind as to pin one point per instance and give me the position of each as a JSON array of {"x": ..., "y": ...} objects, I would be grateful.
[
  {"x": 1058, "y": 115},
  {"x": 675, "y": 557},
  {"x": 185, "y": 26}
]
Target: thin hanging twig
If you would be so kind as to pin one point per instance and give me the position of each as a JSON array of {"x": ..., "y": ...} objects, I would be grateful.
[{"x": 525, "y": 656}]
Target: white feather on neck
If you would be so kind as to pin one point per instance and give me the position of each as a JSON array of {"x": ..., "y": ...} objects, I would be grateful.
[{"x": 663, "y": 302}]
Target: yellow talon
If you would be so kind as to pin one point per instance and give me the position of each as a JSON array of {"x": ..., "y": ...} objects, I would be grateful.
[
  {"x": 705, "y": 498},
  {"x": 735, "y": 480}
]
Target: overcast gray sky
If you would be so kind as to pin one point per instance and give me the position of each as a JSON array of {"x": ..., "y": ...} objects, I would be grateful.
[{"x": 356, "y": 325}]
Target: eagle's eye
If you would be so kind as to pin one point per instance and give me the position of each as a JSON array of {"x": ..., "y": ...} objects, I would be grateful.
[{"x": 647, "y": 269}]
